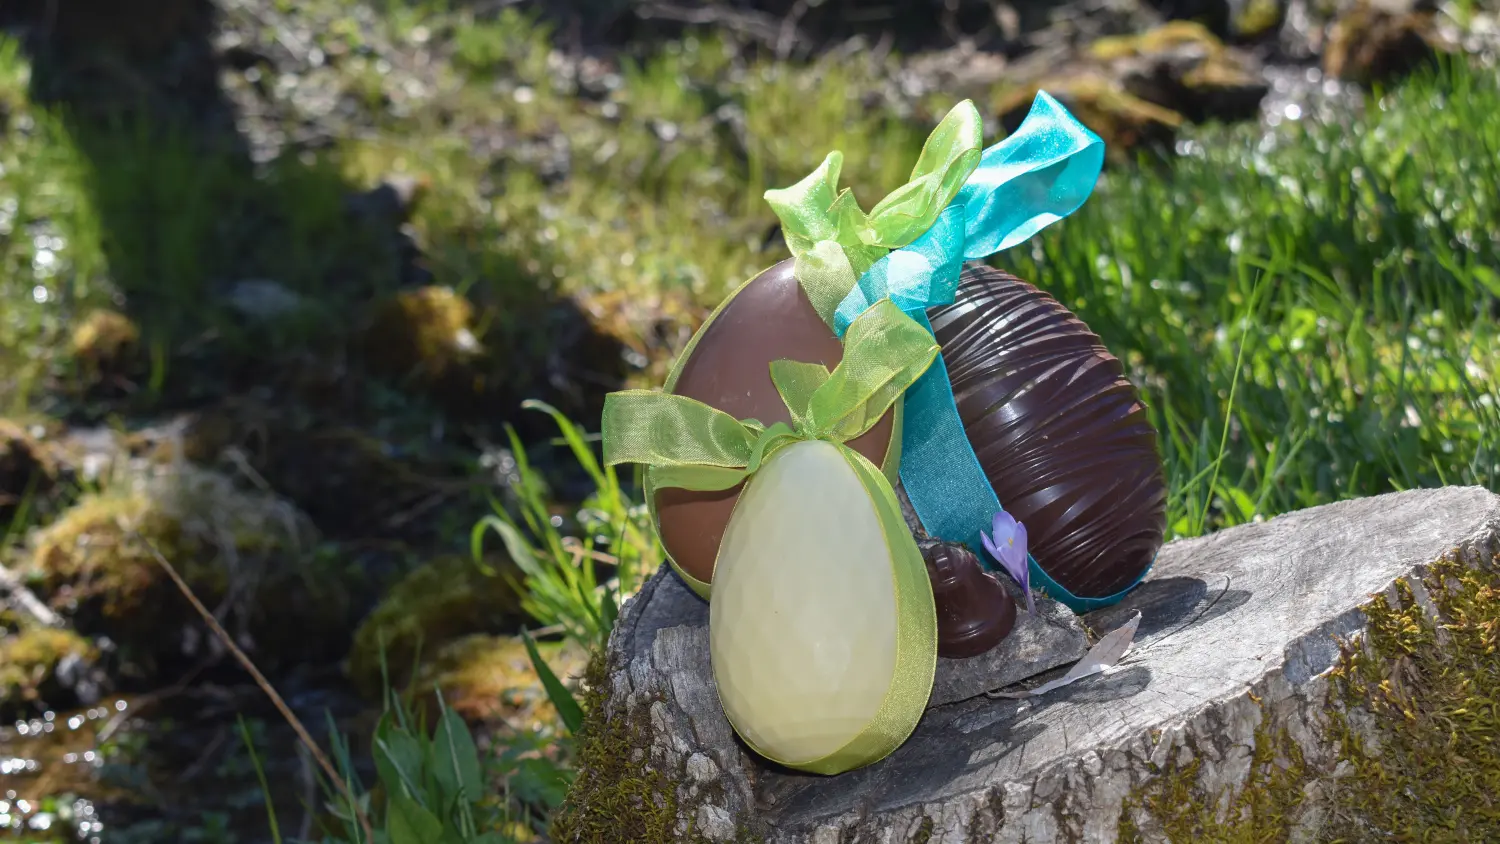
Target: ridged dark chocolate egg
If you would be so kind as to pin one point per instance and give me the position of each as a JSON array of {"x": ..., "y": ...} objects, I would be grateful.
[
  {"x": 1061, "y": 434},
  {"x": 729, "y": 367}
]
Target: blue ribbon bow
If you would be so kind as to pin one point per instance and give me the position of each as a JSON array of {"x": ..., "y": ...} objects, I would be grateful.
[{"x": 1037, "y": 176}]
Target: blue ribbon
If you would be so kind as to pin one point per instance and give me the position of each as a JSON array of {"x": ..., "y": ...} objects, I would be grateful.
[{"x": 1023, "y": 184}]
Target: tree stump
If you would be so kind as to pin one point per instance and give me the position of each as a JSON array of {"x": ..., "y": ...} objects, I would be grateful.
[{"x": 1238, "y": 635}]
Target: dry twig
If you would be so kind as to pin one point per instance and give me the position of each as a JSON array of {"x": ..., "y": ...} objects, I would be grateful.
[
  {"x": 265, "y": 686},
  {"x": 766, "y": 29},
  {"x": 27, "y": 600}
]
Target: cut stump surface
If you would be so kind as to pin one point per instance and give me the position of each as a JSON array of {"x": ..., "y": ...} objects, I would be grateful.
[{"x": 1238, "y": 632}]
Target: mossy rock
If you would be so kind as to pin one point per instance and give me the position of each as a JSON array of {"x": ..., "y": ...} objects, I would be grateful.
[
  {"x": 490, "y": 680},
  {"x": 1258, "y": 19},
  {"x": 479, "y": 359},
  {"x": 1183, "y": 67},
  {"x": 1125, "y": 122},
  {"x": 427, "y": 335},
  {"x": 1416, "y": 709},
  {"x": 1369, "y": 45},
  {"x": 32, "y": 660},
  {"x": 92, "y": 566},
  {"x": 1229, "y": 720},
  {"x": 615, "y": 798},
  {"x": 27, "y": 466},
  {"x": 105, "y": 344},
  {"x": 1169, "y": 36},
  {"x": 443, "y": 600},
  {"x": 653, "y": 328}
]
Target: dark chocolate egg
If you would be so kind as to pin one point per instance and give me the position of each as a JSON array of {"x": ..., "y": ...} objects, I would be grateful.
[
  {"x": 728, "y": 366},
  {"x": 1061, "y": 434}
]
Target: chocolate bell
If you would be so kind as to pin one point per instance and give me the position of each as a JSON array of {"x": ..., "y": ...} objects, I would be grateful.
[{"x": 974, "y": 610}]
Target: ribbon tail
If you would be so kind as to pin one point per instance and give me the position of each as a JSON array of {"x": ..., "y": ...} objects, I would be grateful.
[
  {"x": 941, "y": 474},
  {"x": 1030, "y": 180},
  {"x": 671, "y": 432}
]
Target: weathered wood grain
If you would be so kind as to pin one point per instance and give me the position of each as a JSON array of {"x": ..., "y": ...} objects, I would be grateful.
[{"x": 1237, "y": 628}]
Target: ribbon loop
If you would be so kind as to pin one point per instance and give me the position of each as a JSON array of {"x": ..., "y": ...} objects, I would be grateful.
[
  {"x": 1030, "y": 180},
  {"x": 921, "y": 276},
  {"x": 814, "y": 211},
  {"x": 692, "y": 445},
  {"x": 948, "y": 159},
  {"x": 884, "y": 354},
  {"x": 803, "y": 208},
  {"x": 816, "y": 218}
]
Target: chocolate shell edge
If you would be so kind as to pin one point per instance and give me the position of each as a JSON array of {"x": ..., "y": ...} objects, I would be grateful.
[{"x": 727, "y": 366}]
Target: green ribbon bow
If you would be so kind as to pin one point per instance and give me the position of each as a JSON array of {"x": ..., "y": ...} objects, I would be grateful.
[
  {"x": 835, "y": 241},
  {"x": 694, "y": 446}
]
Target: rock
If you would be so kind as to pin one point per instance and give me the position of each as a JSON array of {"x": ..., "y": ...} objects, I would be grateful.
[
  {"x": 1238, "y": 20},
  {"x": 1052, "y": 637},
  {"x": 46, "y": 666},
  {"x": 490, "y": 681},
  {"x": 435, "y": 604},
  {"x": 263, "y": 299},
  {"x": 1238, "y": 634},
  {"x": 426, "y": 333},
  {"x": 248, "y": 555},
  {"x": 429, "y": 340},
  {"x": 1184, "y": 67},
  {"x": 1125, "y": 122},
  {"x": 650, "y": 329},
  {"x": 1137, "y": 90},
  {"x": 1376, "y": 42},
  {"x": 1253, "y": 20}
]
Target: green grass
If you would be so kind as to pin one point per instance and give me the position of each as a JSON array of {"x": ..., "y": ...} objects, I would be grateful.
[
  {"x": 1366, "y": 365},
  {"x": 564, "y": 588},
  {"x": 1369, "y": 361},
  {"x": 1307, "y": 315}
]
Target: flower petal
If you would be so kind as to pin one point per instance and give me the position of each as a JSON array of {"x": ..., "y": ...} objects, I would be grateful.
[{"x": 1004, "y": 526}]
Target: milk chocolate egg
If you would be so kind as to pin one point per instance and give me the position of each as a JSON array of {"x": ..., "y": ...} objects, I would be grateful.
[
  {"x": 727, "y": 366},
  {"x": 1060, "y": 432}
]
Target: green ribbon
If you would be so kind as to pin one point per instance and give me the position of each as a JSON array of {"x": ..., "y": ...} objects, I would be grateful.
[
  {"x": 835, "y": 242},
  {"x": 691, "y": 445}
]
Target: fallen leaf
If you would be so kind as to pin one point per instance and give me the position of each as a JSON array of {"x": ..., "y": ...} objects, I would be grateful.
[{"x": 1106, "y": 654}]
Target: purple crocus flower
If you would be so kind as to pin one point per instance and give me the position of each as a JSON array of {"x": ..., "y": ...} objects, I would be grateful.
[{"x": 1006, "y": 542}]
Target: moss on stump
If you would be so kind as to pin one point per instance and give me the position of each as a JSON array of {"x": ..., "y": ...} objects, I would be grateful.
[
  {"x": 1415, "y": 718},
  {"x": 616, "y": 799}
]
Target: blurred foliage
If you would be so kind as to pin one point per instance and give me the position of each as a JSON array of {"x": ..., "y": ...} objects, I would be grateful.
[{"x": 1309, "y": 313}]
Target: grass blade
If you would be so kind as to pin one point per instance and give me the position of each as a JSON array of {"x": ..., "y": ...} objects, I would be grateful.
[{"x": 566, "y": 705}]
